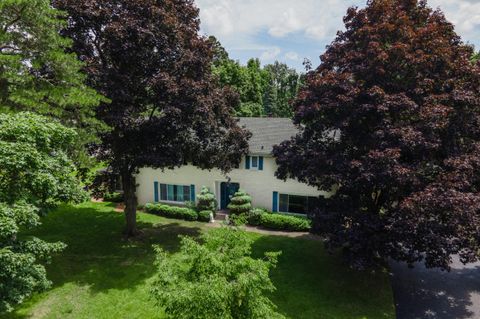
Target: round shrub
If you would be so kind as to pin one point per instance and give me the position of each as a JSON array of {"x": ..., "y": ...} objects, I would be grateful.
[
  {"x": 204, "y": 215},
  {"x": 206, "y": 200},
  {"x": 241, "y": 203}
]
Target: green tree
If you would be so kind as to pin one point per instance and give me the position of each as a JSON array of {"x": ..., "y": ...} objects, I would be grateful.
[
  {"x": 270, "y": 100},
  {"x": 282, "y": 87},
  {"x": 35, "y": 175},
  {"x": 220, "y": 55},
  {"x": 215, "y": 279},
  {"x": 36, "y": 74},
  {"x": 256, "y": 82}
]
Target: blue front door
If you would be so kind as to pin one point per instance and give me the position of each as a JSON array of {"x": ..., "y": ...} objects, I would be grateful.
[{"x": 227, "y": 191}]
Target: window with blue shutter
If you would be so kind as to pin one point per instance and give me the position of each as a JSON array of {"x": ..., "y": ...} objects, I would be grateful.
[
  {"x": 174, "y": 193},
  {"x": 254, "y": 163}
]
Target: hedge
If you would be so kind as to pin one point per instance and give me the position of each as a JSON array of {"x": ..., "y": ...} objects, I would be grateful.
[
  {"x": 172, "y": 211},
  {"x": 284, "y": 222}
]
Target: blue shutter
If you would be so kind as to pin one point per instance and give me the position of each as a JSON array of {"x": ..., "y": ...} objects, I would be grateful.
[
  {"x": 155, "y": 191},
  {"x": 192, "y": 193},
  {"x": 275, "y": 202},
  {"x": 247, "y": 162},
  {"x": 260, "y": 163}
]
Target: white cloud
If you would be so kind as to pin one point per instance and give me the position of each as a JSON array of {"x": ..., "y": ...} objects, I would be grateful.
[
  {"x": 292, "y": 56},
  {"x": 270, "y": 54},
  {"x": 464, "y": 14},
  {"x": 266, "y": 28},
  {"x": 278, "y": 17}
]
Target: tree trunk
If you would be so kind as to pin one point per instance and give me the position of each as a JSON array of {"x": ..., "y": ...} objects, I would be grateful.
[{"x": 130, "y": 198}]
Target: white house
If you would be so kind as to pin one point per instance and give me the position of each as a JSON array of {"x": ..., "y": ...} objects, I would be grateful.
[{"x": 256, "y": 175}]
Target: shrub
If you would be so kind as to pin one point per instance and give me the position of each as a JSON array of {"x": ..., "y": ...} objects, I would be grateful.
[
  {"x": 206, "y": 200},
  {"x": 215, "y": 277},
  {"x": 191, "y": 205},
  {"x": 113, "y": 197},
  {"x": 238, "y": 220},
  {"x": 254, "y": 217},
  {"x": 285, "y": 222},
  {"x": 172, "y": 211},
  {"x": 241, "y": 203},
  {"x": 204, "y": 215}
]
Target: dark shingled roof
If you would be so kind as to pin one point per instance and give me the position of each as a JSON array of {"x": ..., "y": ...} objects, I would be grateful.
[{"x": 267, "y": 132}]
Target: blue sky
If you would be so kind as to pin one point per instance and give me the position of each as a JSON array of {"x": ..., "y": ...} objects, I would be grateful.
[{"x": 292, "y": 30}]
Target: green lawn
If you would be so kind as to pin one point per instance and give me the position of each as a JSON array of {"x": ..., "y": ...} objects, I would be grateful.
[{"x": 100, "y": 275}]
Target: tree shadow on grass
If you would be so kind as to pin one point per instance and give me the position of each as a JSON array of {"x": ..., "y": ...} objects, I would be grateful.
[
  {"x": 97, "y": 254},
  {"x": 433, "y": 294},
  {"x": 314, "y": 284}
]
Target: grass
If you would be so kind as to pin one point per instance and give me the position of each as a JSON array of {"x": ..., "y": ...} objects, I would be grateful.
[{"x": 100, "y": 275}]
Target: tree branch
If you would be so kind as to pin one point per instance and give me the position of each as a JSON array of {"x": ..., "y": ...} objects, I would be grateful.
[{"x": 17, "y": 18}]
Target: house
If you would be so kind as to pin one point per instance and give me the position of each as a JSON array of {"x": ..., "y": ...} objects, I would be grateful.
[{"x": 255, "y": 175}]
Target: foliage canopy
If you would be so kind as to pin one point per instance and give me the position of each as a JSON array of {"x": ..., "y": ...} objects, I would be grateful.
[
  {"x": 215, "y": 279},
  {"x": 166, "y": 109},
  {"x": 35, "y": 175},
  {"x": 391, "y": 119}
]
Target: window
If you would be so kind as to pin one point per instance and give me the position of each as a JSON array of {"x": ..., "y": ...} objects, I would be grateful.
[
  {"x": 254, "y": 160},
  {"x": 254, "y": 163},
  {"x": 296, "y": 204},
  {"x": 174, "y": 193}
]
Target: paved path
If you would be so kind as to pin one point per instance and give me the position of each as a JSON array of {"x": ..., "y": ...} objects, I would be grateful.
[{"x": 432, "y": 294}]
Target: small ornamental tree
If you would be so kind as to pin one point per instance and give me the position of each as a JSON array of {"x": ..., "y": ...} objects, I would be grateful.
[
  {"x": 391, "y": 120},
  {"x": 35, "y": 175},
  {"x": 206, "y": 200},
  {"x": 215, "y": 279},
  {"x": 166, "y": 108},
  {"x": 241, "y": 203}
]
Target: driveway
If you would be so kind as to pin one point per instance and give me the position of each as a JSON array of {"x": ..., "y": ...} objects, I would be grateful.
[{"x": 433, "y": 294}]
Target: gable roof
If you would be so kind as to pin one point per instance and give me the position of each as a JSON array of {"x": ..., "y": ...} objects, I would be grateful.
[{"x": 267, "y": 132}]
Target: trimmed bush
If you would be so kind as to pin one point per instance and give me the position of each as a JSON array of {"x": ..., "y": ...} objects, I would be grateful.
[
  {"x": 113, "y": 197},
  {"x": 238, "y": 220},
  {"x": 284, "y": 222},
  {"x": 172, "y": 211},
  {"x": 206, "y": 200},
  {"x": 241, "y": 203},
  {"x": 204, "y": 215},
  {"x": 255, "y": 216}
]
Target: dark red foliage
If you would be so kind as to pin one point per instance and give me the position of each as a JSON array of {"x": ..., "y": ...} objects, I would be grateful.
[
  {"x": 166, "y": 109},
  {"x": 391, "y": 120}
]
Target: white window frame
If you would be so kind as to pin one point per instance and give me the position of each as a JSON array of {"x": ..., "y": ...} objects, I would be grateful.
[
  {"x": 167, "y": 193},
  {"x": 258, "y": 163}
]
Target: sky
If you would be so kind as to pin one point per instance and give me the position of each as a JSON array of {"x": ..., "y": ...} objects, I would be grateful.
[{"x": 293, "y": 30}]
